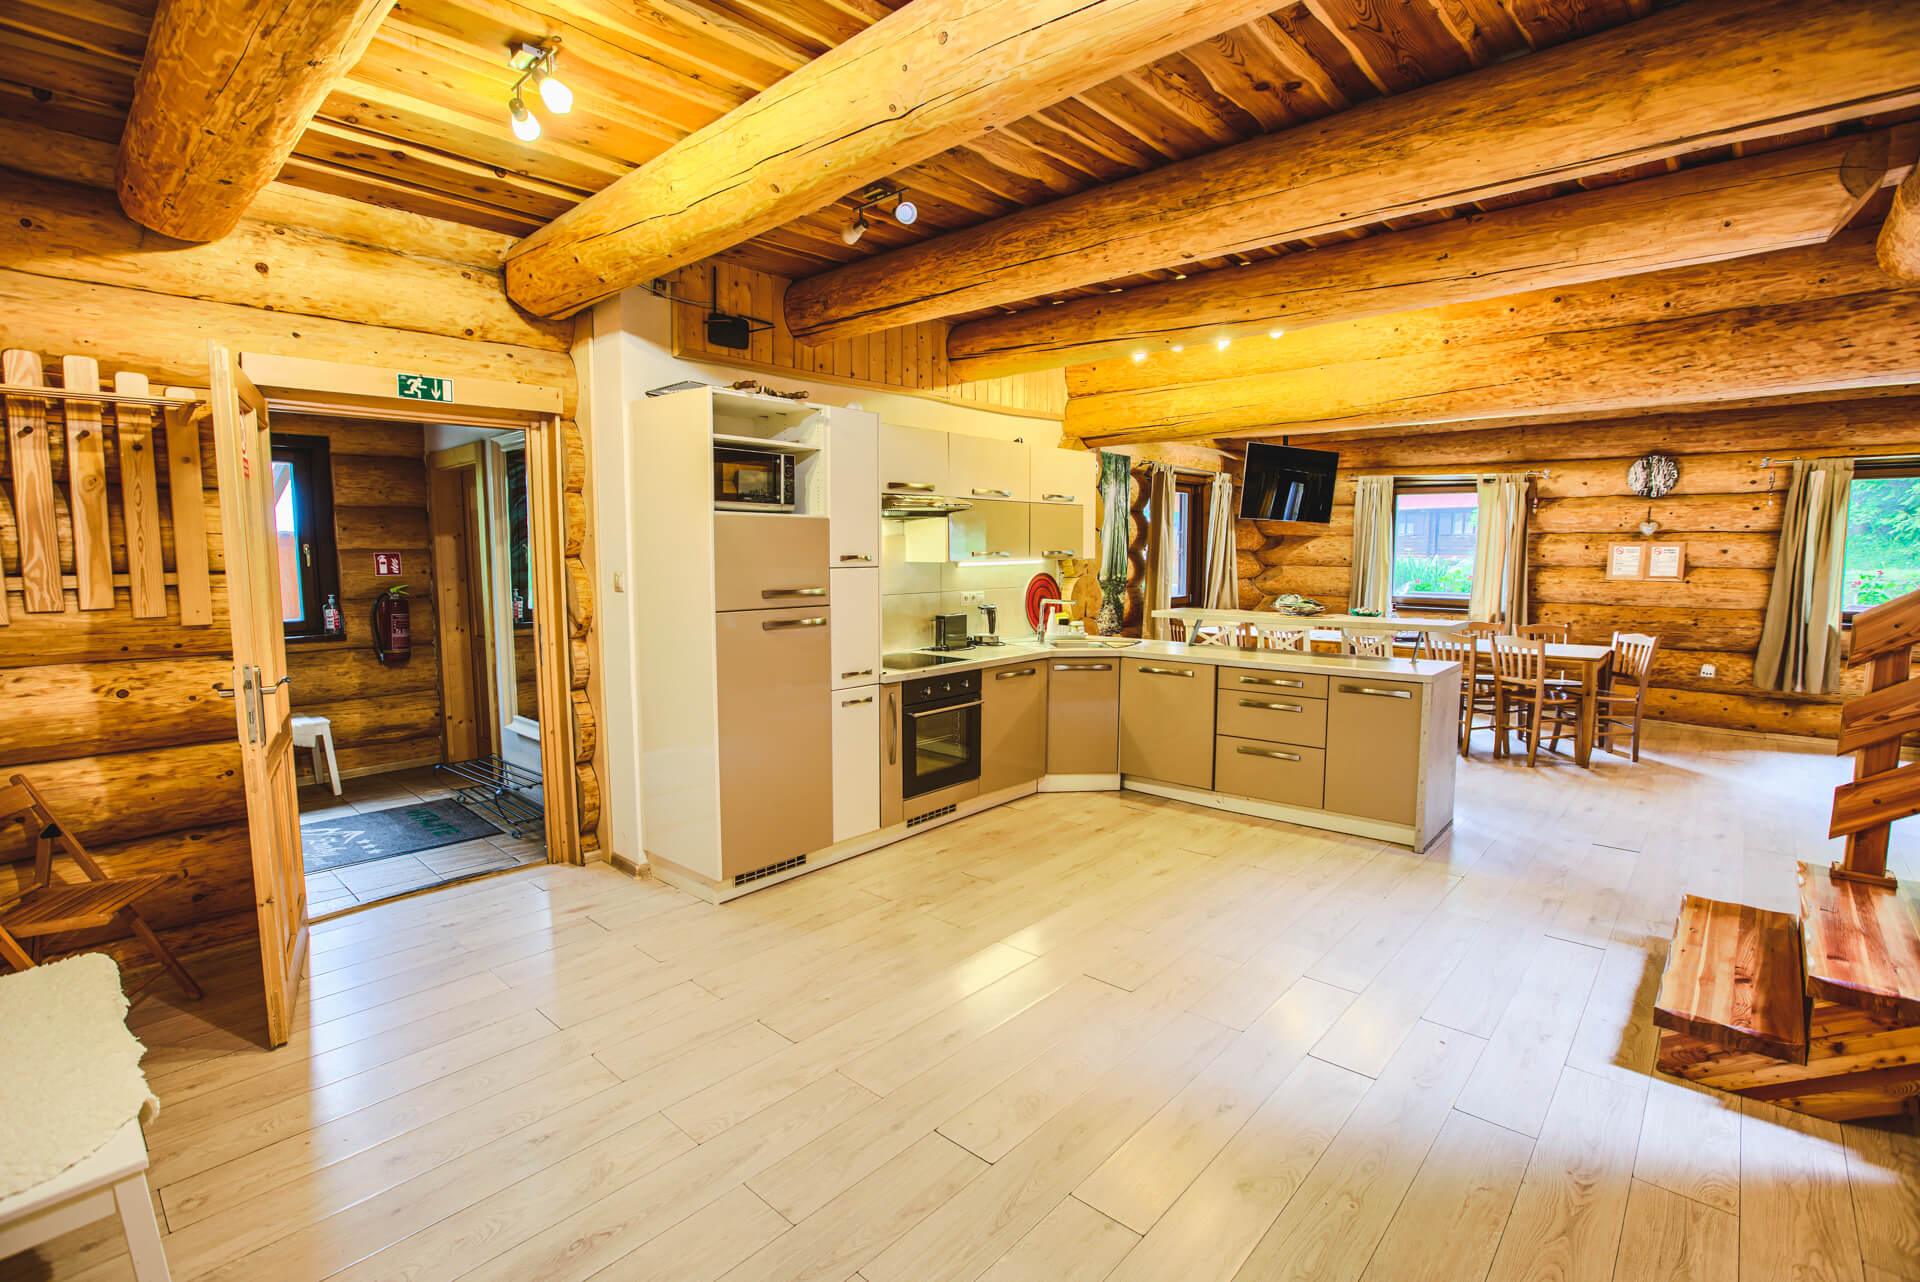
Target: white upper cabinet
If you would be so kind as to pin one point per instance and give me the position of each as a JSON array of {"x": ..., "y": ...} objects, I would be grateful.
[
  {"x": 1064, "y": 476},
  {"x": 913, "y": 460},
  {"x": 853, "y": 489},
  {"x": 854, "y": 631},
  {"x": 985, "y": 468}
]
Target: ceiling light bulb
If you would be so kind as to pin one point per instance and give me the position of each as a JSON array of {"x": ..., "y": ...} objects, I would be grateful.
[
  {"x": 526, "y": 126},
  {"x": 1139, "y": 356},
  {"x": 1179, "y": 347},
  {"x": 555, "y": 94},
  {"x": 854, "y": 230},
  {"x": 1220, "y": 344},
  {"x": 1275, "y": 333},
  {"x": 906, "y": 213}
]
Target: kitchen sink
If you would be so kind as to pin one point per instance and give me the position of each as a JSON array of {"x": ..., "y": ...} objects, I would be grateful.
[{"x": 1104, "y": 643}]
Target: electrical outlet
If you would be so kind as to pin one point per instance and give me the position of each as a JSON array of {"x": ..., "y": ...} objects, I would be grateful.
[
  {"x": 1708, "y": 670},
  {"x": 972, "y": 598}
]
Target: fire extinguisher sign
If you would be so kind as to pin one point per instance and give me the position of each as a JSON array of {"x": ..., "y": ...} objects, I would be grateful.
[{"x": 386, "y": 565}]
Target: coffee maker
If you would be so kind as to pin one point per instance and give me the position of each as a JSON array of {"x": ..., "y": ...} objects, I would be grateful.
[{"x": 991, "y": 613}]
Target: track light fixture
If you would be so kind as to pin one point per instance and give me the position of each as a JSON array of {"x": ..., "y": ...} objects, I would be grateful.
[
  {"x": 854, "y": 230},
  {"x": 891, "y": 199},
  {"x": 535, "y": 63}
]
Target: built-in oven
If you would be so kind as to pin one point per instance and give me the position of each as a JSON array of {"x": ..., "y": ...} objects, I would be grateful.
[
  {"x": 750, "y": 480},
  {"x": 940, "y": 732}
]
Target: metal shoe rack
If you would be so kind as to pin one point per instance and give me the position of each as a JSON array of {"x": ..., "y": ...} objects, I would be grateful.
[{"x": 493, "y": 787}]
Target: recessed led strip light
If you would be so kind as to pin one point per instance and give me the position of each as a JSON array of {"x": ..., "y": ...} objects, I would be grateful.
[{"x": 535, "y": 63}]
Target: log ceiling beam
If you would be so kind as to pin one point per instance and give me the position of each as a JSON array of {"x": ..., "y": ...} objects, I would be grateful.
[
  {"x": 225, "y": 91},
  {"x": 1730, "y": 210},
  {"x": 1700, "y": 75},
  {"x": 924, "y": 78},
  {"x": 1844, "y": 326},
  {"x": 1899, "y": 244}
]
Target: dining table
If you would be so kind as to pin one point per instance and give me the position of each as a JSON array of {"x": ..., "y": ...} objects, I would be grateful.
[{"x": 1591, "y": 666}]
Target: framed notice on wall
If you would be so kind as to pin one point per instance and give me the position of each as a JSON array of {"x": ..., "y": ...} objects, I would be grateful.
[
  {"x": 1667, "y": 561},
  {"x": 1663, "y": 561},
  {"x": 1626, "y": 560}
]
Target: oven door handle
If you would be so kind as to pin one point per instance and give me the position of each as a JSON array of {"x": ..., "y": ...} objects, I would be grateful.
[{"x": 945, "y": 707}]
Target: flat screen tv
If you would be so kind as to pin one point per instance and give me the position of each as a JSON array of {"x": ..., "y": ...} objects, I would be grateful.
[{"x": 1283, "y": 483}]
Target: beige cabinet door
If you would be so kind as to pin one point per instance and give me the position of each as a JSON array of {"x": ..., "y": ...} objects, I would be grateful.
[
  {"x": 985, "y": 468},
  {"x": 1166, "y": 721},
  {"x": 1276, "y": 772},
  {"x": 853, "y": 488},
  {"x": 1057, "y": 530},
  {"x": 1013, "y": 725},
  {"x": 856, "y": 626},
  {"x": 1083, "y": 717},
  {"x": 913, "y": 460},
  {"x": 856, "y": 766},
  {"x": 1247, "y": 714},
  {"x": 1373, "y": 748},
  {"x": 991, "y": 530},
  {"x": 763, "y": 560},
  {"x": 1064, "y": 476},
  {"x": 776, "y": 736}
]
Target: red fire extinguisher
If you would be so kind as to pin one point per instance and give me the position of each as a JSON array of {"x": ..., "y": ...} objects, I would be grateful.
[{"x": 392, "y": 635}]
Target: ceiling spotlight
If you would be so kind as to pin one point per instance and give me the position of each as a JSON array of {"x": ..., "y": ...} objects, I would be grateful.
[
  {"x": 526, "y": 126},
  {"x": 891, "y": 199},
  {"x": 1139, "y": 356},
  {"x": 1179, "y": 347},
  {"x": 906, "y": 213},
  {"x": 1220, "y": 344},
  {"x": 1275, "y": 333},
  {"x": 853, "y": 231},
  {"x": 554, "y": 92}
]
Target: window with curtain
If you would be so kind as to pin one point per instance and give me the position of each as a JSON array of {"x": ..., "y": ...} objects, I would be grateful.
[
  {"x": 303, "y": 529},
  {"x": 1435, "y": 526},
  {"x": 1882, "y": 559},
  {"x": 1189, "y": 554}
]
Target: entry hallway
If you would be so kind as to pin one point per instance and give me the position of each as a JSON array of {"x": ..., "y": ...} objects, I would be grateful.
[{"x": 1081, "y": 1037}]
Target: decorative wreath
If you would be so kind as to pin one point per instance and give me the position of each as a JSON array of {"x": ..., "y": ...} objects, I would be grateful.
[{"x": 1653, "y": 476}]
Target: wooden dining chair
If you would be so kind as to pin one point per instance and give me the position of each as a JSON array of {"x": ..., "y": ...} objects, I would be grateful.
[
  {"x": 1552, "y": 633},
  {"x": 1367, "y": 645},
  {"x": 1477, "y": 695},
  {"x": 1525, "y": 701},
  {"x": 1267, "y": 636},
  {"x": 1621, "y": 710},
  {"x": 52, "y": 907}
]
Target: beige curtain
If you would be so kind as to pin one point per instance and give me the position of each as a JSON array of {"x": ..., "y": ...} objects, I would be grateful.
[
  {"x": 1500, "y": 551},
  {"x": 1159, "y": 545},
  {"x": 1372, "y": 584},
  {"x": 1222, "y": 591},
  {"x": 1800, "y": 640}
]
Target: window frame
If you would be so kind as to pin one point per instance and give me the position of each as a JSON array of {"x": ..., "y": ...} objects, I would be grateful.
[
  {"x": 1902, "y": 467},
  {"x": 1442, "y": 603},
  {"x": 312, "y": 463},
  {"x": 1195, "y": 488}
]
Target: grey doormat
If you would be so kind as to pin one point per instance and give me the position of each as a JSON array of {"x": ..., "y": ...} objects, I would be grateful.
[{"x": 402, "y": 830}]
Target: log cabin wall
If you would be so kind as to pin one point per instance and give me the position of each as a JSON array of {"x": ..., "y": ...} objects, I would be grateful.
[
  {"x": 383, "y": 716},
  {"x": 1725, "y": 509},
  {"x": 305, "y": 274}
]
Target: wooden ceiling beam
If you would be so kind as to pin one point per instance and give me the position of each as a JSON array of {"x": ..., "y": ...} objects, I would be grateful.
[
  {"x": 1899, "y": 244},
  {"x": 919, "y": 81},
  {"x": 1710, "y": 73},
  {"x": 1715, "y": 212},
  {"x": 225, "y": 92}
]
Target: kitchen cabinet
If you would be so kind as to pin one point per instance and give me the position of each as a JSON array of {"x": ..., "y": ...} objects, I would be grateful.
[
  {"x": 775, "y": 736},
  {"x": 764, "y": 560},
  {"x": 1013, "y": 724},
  {"x": 853, "y": 489},
  {"x": 1063, "y": 476},
  {"x": 1312, "y": 685},
  {"x": 1270, "y": 715},
  {"x": 990, "y": 530},
  {"x": 856, "y": 626},
  {"x": 1059, "y": 530},
  {"x": 1373, "y": 749},
  {"x": 1166, "y": 721},
  {"x": 981, "y": 467},
  {"x": 1281, "y": 773},
  {"x": 1083, "y": 717},
  {"x": 913, "y": 460},
  {"x": 856, "y": 761}
]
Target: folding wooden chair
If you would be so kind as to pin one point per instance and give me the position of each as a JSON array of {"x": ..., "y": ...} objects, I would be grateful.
[{"x": 57, "y": 908}]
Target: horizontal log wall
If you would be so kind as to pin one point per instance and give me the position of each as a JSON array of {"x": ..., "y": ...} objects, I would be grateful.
[
  {"x": 1725, "y": 509},
  {"x": 383, "y": 716}
]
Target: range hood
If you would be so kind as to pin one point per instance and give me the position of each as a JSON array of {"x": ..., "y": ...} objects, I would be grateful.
[{"x": 907, "y": 507}]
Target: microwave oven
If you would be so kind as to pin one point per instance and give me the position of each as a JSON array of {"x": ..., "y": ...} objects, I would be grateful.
[{"x": 750, "y": 480}]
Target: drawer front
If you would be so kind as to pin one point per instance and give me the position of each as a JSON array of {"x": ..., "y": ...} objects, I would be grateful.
[
  {"x": 1166, "y": 721},
  {"x": 1286, "y": 775},
  {"x": 1250, "y": 712},
  {"x": 1265, "y": 681},
  {"x": 763, "y": 561}
]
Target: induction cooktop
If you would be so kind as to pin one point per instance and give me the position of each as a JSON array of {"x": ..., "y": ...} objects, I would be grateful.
[{"x": 912, "y": 662}]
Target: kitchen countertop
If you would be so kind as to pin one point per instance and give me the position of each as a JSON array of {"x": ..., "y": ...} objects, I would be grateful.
[{"x": 1422, "y": 670}]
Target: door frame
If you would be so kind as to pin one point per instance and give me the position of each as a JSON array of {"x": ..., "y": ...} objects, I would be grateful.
[{"x": 342, "y": 390}]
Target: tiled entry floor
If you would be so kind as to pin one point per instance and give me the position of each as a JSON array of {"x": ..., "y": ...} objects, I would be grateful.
[{"x": 342, "y": 888}]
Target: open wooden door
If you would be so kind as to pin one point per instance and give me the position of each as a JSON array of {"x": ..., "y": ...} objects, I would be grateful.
[{"x": 244, "y": 450}]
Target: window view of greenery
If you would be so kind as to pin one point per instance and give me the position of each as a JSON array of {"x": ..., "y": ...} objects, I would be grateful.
[
  {"x": 1883, "y": 540},
  {"x": 1434, "y": 532}
]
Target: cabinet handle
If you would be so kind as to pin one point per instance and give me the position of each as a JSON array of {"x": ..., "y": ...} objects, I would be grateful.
[
  {"x": 855, "y": 556},
  {"x": 769, "y": 594},
  {"x": 855, "y": 703},
  {"x": 1377, "y": 692},
  {"x": 1284, "y": 682},
  {"x": 863, "y": 672},
  {"x": 1277, "y": 707},
  {"x": 1061, "y": 552},
  {"x": 993, "y": 494},
  {"x": 1023, "y": 672},
  {"x": 925, "y": 487},
  {"x": 950, "y": 707},
  {"x": 1083, "y": 667},
  {"x": 892, "y": 717},
  {"x": 1056, "y": 498},
  {"x": 1248, "y": 750},
  {"x": 1164, "y": 672},
  {"x": 781, "y": 625}
]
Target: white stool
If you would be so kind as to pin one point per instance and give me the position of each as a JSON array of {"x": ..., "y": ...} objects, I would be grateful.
[
  {"x": 113, "y": 1180},
  {"x": 317, "y": 733}
]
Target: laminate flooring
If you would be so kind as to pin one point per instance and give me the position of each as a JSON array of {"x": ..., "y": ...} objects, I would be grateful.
[{"x": 1080, "y": 1037}]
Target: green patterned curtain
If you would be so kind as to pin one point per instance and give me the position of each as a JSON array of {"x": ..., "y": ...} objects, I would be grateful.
[{"x": 1115, "y": 479}]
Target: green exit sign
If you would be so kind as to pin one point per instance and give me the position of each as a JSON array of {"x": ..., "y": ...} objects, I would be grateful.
[{"x": 425, "y": 387}]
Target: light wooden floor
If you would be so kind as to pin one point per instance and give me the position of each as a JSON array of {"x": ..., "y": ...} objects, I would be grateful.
[{"x": 1079, "y": 1038}]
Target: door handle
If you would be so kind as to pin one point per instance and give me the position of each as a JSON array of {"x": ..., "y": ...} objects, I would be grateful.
[
  {"x": 893, "y": 729},
  {"x": 863, "y": 672},
  {"x": 768, "y": 594},
  {"x": 269, "y": 689},
  {"x": 1277, "y": 707},
  {"x": 855, "y": 703},
  {"x": 1165, "y": 672},
  {"x": 1061, "y": 552},
  {"x": 781, "y": 625},
  {"x": 925, "y": 487},
  {"x": 1273, "y": 681},
  {"x": 1023, "y": 672},
  {"x": 951, "y": 707},
  {"x": 1377, "y": 692},
  {"x": 225, "y": 692},
  {"x": 992, "y": 494},
  {"x": 1083, "y": 667},
  {"x": 855, "y": 556},
  {"x": 1248, "y": 750},
  {"x": 1056, "y": 498}
]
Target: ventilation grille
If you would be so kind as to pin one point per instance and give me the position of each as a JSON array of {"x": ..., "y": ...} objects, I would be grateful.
[
  {"x": 798, "y": 861},
  {"x": 917, "y": 820}
]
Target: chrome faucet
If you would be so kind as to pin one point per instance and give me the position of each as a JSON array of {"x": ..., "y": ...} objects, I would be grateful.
[{"x": 1050, "y": 609}]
